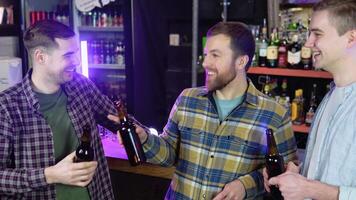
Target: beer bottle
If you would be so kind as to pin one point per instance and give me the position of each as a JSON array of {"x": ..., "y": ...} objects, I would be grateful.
[
  {"x": 130, "y": 139},
  {"x": 274, "y": 163},
  {"x": 84, "y": 151}
]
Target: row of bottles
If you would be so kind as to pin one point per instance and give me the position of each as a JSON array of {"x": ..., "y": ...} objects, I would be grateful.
[
  {"x": 60, "y": 14},
  {"x": 106, "y": 52},
  {"x": 299, "y": 112},
  {"x": 281, "y": 50},
  {"x": 108, "y": 16}
]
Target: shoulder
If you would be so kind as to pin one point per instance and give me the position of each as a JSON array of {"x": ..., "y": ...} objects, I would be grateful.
[
  {"x": 11, "y": 94},
  {"x": 265, "y": 103},
  {"x": 194, "y": 92}
]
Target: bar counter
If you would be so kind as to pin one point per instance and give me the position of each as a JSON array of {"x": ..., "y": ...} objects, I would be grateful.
[{"x": 117, "y": 160}]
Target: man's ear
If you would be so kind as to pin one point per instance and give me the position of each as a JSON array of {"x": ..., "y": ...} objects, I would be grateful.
[
  {"x": 351, "y": 38},
  {"x": 241, "y": 62},
  {"x": 40, "y": 56}
]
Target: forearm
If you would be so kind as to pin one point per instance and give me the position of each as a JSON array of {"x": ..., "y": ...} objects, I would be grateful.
[
  {"x": 253, "y": 183},
  {"x": 21, "y": 180},
  {"x": 159, "y": 151},
  {"x": 317, "y": 190}
]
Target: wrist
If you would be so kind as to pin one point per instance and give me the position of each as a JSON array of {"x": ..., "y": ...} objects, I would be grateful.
[
  {"x": 48, "y": 172},
  {"x": 317, "y": 190},
  {"x": 145, "y": 138}
]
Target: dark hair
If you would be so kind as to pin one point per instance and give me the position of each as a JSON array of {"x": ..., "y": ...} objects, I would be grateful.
[
  {"x": 342, "y": 13},
  {"x": 241, "y": 38},
  {"x": 43, "y": 34}
]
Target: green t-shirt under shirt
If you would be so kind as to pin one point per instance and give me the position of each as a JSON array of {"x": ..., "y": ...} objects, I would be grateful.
[
  {"x": 54, "y": 109},
  {"x": 226, "y": 106}
]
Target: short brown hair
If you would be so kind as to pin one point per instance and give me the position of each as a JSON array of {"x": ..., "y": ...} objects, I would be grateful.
[
  {"x": 242, "y": 41},
  {"x": 342, "y": 13},
  {"x": 43, "y": 34}
]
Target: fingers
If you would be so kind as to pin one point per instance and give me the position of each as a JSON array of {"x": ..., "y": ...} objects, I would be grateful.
[
  {"x": 273, "y": 181},
  {"x": 222, "y": 195},
  {"x": 113, "y": 118},
  {"x": 119, "y": 137},
  {"x": 265, "y": 180}
]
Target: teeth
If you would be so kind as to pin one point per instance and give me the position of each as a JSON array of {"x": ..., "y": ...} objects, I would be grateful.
[{"x": 211, "y": 73}]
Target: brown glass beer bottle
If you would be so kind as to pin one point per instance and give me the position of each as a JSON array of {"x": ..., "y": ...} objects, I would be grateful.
[
  {"x": 274, "y": 163},
  {"x": 129, "y": 137},
  {"x": 84, "y": 151}
]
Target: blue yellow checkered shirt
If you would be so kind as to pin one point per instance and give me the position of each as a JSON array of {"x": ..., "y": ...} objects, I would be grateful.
[{"x": 209, "y": 153}]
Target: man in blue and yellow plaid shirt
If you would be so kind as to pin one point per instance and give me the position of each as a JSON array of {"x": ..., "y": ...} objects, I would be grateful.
[{"x": 215, "y": 135}]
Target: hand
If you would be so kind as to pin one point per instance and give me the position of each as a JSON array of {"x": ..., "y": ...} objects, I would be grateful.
[
  {"x": 291, "y": 185},
  {"x": 69, "y": 173},
  {"x": 234, "y": 190},
  {"x": 142, "y": 134},
  {"x": 290, "y": 167}
]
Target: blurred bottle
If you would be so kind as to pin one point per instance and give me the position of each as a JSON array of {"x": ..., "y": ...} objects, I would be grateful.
[
  {"x": 262, "y": 56},
  {"x": 256, "y": 33},
  {"x": 272, "y": 50},
  {"x": 294, "y": 50},
  {"x": 130, "y": 139},
  {"x": 84, "y": 151},
  {"x": 306, "y": 56},
  {"x": 282, "y": 52},
  {"x": 274, "y": 163},
  {"x": 298, "y": 108},
  {"x": 312, "y": 107}
]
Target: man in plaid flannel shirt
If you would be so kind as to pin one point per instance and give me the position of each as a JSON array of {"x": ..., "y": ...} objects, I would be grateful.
[
  {"x": 215, "y": 135},
  {"x": 41, "y": 119}
]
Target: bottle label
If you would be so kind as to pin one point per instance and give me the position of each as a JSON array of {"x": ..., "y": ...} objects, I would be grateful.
[
  {"x": 263, "y": 52},
  {"x": 294, "y": 58},
  {"x": 272, "y": 52},
  {"x": 309, "y": 117},
  {"x": 282, "y": 60},
  {"x": 306, "y": 53}
]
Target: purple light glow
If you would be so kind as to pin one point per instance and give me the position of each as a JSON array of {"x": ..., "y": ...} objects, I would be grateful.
[{"x": 84, "y": 56}]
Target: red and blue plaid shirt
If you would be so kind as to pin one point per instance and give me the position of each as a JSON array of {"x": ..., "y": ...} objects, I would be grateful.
[{"x": 26, "y": 143}]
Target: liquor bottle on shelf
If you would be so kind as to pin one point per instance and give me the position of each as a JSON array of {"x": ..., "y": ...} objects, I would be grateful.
[
  {"x": 272, "y": 50},
  {"x": 298, "y": 108},
  {"x": 294, "y": 50},
  {"x": 262, "y": 56},
  {"x": 256, "y": 33},
  {"x": 312, "y": 107},
  {"x": 274, "y": 163},
  {"x": 130, "y": 139},
  {"x": 84, "y": 152},
  {"x": 306, "y": 57},
  {"x": 120, "y": 53},
  {"x": 282, "y": 52}
]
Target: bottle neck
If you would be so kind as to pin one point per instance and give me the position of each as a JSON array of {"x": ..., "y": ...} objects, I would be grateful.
[{"x": 271, "y": 144}]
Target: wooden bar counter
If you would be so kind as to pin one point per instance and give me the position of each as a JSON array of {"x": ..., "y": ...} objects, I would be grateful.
[{"x": 117, "y": 160}]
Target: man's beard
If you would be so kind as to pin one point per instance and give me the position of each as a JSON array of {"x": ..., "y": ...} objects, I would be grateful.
[{"x": 220, "y": 81}]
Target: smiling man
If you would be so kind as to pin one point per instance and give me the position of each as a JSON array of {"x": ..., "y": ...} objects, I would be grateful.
[
  {"x": 329, "y": 168},
  {"x": 41, "y": 121},
  {"x": 215, "y": 135}
]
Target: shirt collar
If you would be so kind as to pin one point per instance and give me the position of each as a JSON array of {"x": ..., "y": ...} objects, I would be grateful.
[
  {"x": 251, "y": 93},
  {"x": 31, "y": 95}
]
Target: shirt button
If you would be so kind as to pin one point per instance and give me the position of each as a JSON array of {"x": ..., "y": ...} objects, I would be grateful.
[
  {"x": 211, "y": 156},
  {"x": 204, "y": 196}
]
